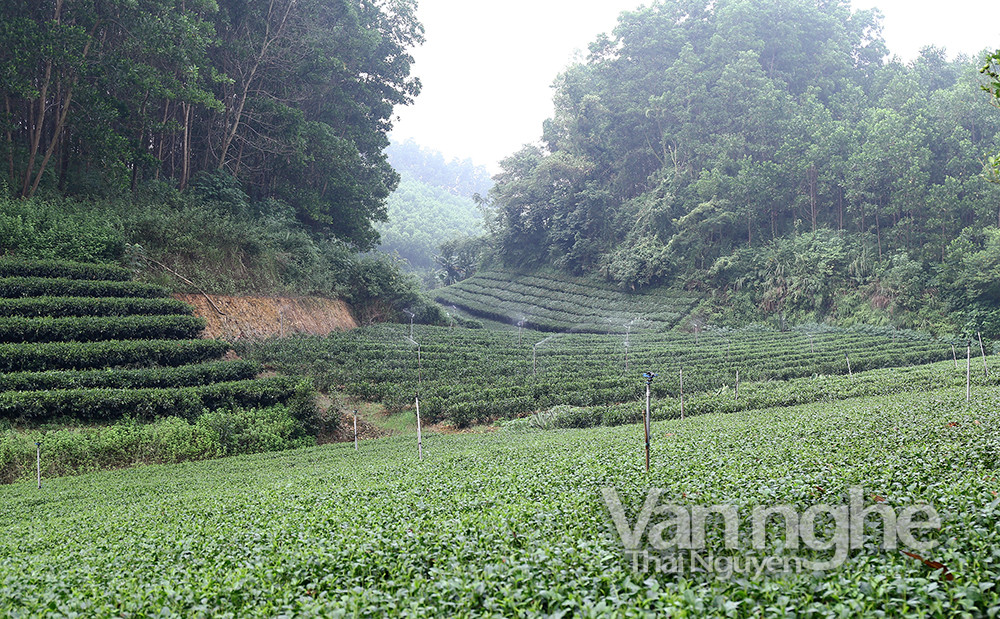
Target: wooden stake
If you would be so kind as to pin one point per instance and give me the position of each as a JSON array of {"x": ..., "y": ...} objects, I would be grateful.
[
  {"x": 849, "y": 372},
  {"x": 682, "y": 393},
  {"x": 982, "y": 351},
  {"x": 355, "y": 430},
  {"x": 968, "y": 373}
]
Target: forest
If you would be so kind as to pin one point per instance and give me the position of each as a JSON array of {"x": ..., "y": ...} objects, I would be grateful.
[
  {"x": 292, "y": 98},
  {"x": 783, "y": 168}
]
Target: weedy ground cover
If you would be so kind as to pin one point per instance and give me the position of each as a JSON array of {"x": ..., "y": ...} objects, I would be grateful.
[{"x": 514, "y": 524}]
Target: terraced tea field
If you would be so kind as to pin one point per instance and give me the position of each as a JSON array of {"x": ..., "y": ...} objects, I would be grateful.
[
  {"x": 509, "y": 524},
  {"x": 465, "y": 376},
  {"x": 563, "y": 303}
]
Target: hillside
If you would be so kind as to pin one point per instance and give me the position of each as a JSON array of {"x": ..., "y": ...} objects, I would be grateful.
[
  {"x": 699, "y": 145},
  {"x": 552, "y": 302},
  {"x": 109, "y": 372},
  {"x": 422, "y": 217},
  {"x": 515, "y": 524}
]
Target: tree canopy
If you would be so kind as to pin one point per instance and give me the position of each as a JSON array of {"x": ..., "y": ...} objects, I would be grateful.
[
  {"x": 293, "y": 98},
  {"x": 699, "y": 127}
]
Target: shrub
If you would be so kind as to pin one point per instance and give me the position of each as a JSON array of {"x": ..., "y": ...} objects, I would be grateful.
[
  {"x": 15, "y": 287},
  {"x": 63, "y": 307},
  {"x": 113, "y": 353},
  {"x": 24, "y": 267},
  {"x": 100, "y": 328},
  {"x": 148, "y": 404},
  {"x": 162, "y": 377}
]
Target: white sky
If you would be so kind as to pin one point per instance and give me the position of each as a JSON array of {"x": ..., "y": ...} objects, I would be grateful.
[{"x": 487, "y": 66}]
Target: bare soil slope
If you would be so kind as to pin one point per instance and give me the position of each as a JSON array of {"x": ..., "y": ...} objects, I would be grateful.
[{"x": 232, "y": 318}]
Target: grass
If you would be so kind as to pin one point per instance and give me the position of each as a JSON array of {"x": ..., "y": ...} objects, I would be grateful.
[{"x": 512, "y": 524}]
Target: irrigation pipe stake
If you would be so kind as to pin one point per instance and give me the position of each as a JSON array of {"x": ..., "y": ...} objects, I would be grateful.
[
  {"x": 647, "y": 418},
  {"x": 737, "y": 385},
  {"x": 954, "y": 356},
  {"x": 849, "y": 372},
  {"x": 982, "y": 351},
  {"x": 420, "y": 439},
  {"x": 38, "y": 462}
]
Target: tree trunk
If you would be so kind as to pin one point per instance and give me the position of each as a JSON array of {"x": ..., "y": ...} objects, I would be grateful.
[
  {"x": 10, "y": 137},
  {"x": 186, "y": 146},
  {"x": 60, "y": 124}
]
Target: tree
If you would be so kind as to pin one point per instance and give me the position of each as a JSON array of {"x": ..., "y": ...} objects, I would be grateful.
[{"x": 992, "y": 72}]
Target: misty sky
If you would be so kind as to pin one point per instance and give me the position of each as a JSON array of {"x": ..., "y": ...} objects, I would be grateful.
[{"x": 487, "y": 67}]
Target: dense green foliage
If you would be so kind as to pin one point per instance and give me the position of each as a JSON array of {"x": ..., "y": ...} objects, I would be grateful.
[
  {"x": 291, "y": 98},
  {"x": 99, "y": 404},
  {"x": 700, "y": 141},
  {"x": 22, "y": 267},
  {"x": 113, "y": 353},
  {"x": 13, "y": 287},
  {"x": 31, "y": 307},
  {"x": 119, "y": 366},
  {"x": 158, "y": 377},
  {"x": 552, "y": 302},
  {"x": 462, "y": 179},
  {"x": 95, "y": 329},
  {"x": 422, "y": 217},
  {"x": 467, "y": 376},
  {"x": 513, "y": 524},
  {"x": 167, "y": 236},
  {"x": 75, "y": 448},
  {"x": 768, "y": 394}
]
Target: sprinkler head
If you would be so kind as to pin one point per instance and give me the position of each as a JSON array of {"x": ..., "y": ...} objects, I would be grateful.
[{"x": 649, "y": 376}]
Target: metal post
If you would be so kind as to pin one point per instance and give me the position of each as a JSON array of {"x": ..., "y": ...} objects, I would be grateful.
[
  {"x": 38, "y": 462},
  {"x": 420, "y": 440}
]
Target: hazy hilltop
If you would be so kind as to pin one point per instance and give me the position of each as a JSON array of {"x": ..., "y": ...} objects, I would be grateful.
[
  {"x": 433, "y": 205},
  {"x": 771, "y": 153}
]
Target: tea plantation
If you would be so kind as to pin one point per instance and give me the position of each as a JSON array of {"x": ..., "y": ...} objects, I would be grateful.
[
  {"x": 563, "y": 303},
  {"x": 83, "y": 348},
  {"x": 513, "y": 524},
  {"x": 467, "y": 375}
]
